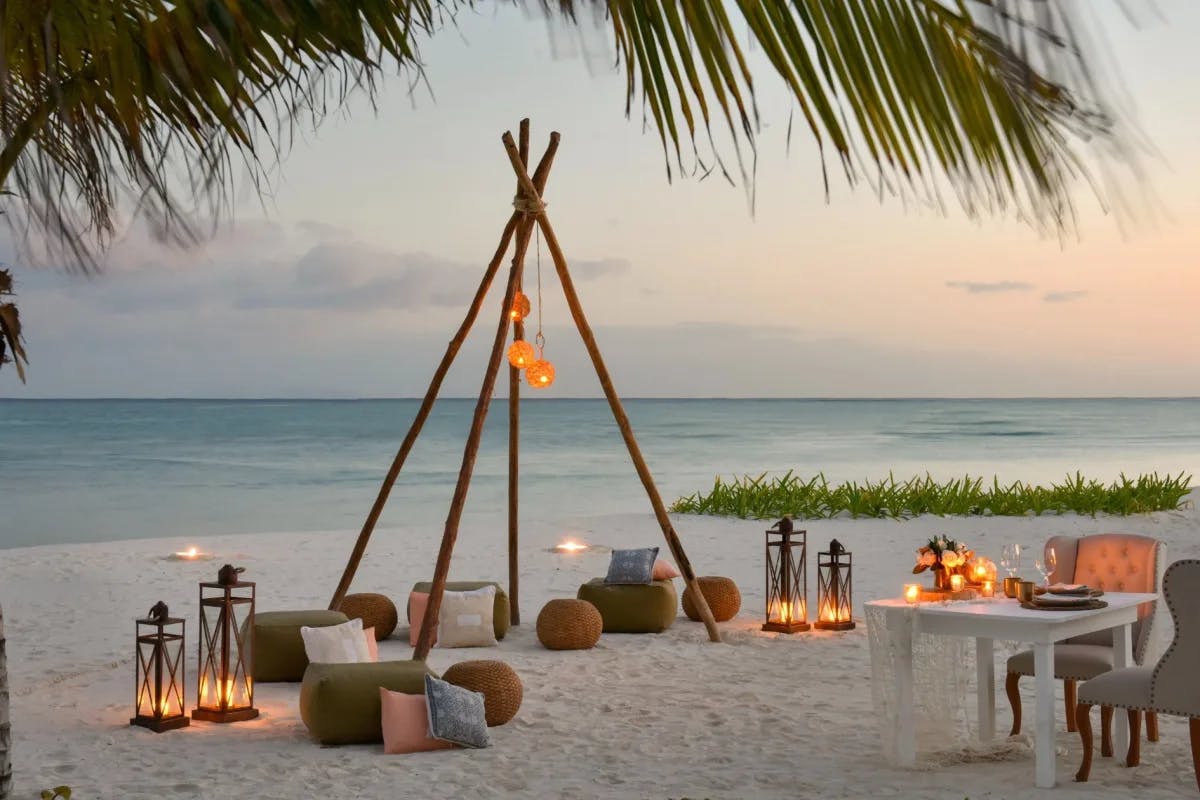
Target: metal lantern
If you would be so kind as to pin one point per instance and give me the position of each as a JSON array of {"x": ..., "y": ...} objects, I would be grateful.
[
  {"x": 159, "y": 672},
  {"x": 787, "y": 579},
  {"x": 225, "y": 687},
  {"x": 834, "y": 599}
]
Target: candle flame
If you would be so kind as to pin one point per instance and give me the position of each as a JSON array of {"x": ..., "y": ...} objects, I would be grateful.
[
  {"x": 787, "y": 612},
  {"x": 570, "y": 546}
]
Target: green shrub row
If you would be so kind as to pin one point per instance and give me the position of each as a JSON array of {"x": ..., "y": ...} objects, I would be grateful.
[{"x": 764, "y": 498}]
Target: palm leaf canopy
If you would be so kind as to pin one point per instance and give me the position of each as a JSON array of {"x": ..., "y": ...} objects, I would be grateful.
[{"x": 150, "y": 102}]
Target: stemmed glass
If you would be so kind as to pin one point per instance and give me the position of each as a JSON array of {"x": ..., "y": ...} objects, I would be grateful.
[
  {"x": 1046, "y": 565},
  {"x": 1010, "y": 558}
]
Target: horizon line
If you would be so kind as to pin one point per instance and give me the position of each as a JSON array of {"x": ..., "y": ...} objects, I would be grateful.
[{"x": 799, "y": 398}]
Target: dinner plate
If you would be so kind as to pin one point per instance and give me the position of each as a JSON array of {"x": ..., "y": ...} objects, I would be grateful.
[
  {"x": 1062, "y": 601},
  {"x": 1072, "y": 590}
]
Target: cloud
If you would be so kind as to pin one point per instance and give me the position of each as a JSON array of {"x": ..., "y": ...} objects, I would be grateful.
[
  {"x": 590, "y": 269},
  {"x": 1064, "y": 296},
  {"x": 990, "y": 287}
]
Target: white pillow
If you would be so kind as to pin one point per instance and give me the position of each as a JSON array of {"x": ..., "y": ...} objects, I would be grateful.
[
  {"x": 336, "y": 644},
  {"x": 465, "y": 619}
]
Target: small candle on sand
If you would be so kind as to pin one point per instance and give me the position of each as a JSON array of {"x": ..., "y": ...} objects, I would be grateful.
[
  {"x": 912, "y": 593},
  {"x": 956, "y": 583},
  {"x": 989, "y": 589},
  {"x": 570, "y": 546}
]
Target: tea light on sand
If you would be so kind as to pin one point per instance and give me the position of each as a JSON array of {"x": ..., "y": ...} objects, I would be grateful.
[
  {"x": 191, "y": 554},
  {"x": 957, "y": 582},
  {"x": 912, "y": 593},
  {"x": 570, "y": 546}
]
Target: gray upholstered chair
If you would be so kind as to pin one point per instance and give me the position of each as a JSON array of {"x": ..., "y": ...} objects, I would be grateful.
[
  {"x": 1115, "y": 562},
  {"x": 1169, "y": 687}
]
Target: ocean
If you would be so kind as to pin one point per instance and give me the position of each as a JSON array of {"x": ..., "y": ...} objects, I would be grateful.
[{"x": 102, "y": 470}]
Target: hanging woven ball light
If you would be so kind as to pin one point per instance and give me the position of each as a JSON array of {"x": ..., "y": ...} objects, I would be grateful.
[
  {"x": 540, "y": 374},
  {"x": 520, "y": 308},
  {"x": 521, "y": 354}
]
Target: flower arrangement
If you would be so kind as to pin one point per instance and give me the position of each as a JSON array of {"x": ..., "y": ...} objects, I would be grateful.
[{"x": 945, "y": 557}]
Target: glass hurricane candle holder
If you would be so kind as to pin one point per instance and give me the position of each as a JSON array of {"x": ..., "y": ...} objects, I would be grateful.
[{"x": 957, "y": 582}]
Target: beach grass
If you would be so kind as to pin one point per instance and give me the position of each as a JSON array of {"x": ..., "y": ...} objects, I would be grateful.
[{"x": 766, "y": 497}]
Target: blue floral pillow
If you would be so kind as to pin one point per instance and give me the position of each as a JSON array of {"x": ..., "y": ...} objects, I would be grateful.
[
  {"x": 632, "y": 566},
  {"x": 456, "y": 714}
]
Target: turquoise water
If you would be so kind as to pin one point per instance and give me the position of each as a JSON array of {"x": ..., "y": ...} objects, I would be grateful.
[{"x": 98, "y": 470}]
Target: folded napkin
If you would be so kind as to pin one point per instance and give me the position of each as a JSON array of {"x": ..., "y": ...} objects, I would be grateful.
[{"x": 1063, "y": 588}]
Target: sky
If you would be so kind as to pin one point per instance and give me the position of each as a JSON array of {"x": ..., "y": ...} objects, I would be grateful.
[{"x": 352, "y": 276}]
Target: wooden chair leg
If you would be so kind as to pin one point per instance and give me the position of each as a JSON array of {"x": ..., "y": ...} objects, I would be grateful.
[
  {"x": 1013, "y": 691},
  {"x": 1152, "y": 726},
  {"x": 1194, "y": 730},
  {"x": 1106, "y": 715},
  {"x": 1134, "y": 756},
  {"x": 1069, "y": 699},
  {"x": 1083, "y": 721}
]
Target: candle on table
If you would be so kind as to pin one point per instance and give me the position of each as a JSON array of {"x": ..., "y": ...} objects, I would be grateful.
[
  {"x": 912, "y": 593},
  {"x": 956, "y": 583},
  {"x": 989, "y": 589}
]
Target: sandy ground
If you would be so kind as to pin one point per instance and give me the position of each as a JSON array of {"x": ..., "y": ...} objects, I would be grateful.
[{"x": 653, "y": 716}]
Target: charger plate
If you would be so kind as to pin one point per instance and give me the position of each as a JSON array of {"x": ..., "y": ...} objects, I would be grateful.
[{"x": 1084, "y": 604}]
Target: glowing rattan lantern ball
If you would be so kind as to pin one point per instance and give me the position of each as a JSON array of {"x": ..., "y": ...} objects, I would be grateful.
[
  {"x": 521, "y": 354},
  {"x": 540, "y": 374},
  {"x": 520, "y": 308}
]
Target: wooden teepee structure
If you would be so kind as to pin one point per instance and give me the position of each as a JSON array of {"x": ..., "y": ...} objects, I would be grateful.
[{"x": 529, "y": 211}]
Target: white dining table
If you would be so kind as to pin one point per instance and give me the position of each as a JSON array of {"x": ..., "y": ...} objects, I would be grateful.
[{"x": 987, "y": 620}]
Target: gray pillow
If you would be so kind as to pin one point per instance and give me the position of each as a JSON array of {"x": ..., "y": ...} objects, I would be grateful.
[
  {"x": 632, "y": 566},
  {"x": 456, "y": 714}
]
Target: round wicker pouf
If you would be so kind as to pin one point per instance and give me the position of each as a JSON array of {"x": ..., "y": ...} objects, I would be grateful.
[
  {"x": 724, "y": 599},
  {"x": 569, "y": 624},
  {"x": 375, "y": 610},
  {"x": 499, "y": 684}
]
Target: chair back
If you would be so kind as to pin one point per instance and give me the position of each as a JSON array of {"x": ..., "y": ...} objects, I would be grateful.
[
  {"x": 1173, "y": 685},
  {"x": 1113, "y": 562}
]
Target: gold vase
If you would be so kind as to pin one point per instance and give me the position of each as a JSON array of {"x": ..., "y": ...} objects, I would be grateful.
[{"x": 941, "y": 578}]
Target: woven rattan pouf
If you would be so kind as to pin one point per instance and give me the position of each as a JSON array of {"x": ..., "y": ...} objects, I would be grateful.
[
  {"x": 724, "y": 599},
  {"x": 375, "y": 610},
  {"x": 568, "y": 624},
  {"x": 496, "y": 681}
]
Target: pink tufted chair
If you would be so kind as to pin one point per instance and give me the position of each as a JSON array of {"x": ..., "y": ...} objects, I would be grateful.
[
  {"x": 1114, "y": 562},
  {"x": 1169, "y": 687}
]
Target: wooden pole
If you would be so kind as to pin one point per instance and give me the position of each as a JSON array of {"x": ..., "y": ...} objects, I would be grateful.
[
  {"x": 360, "y": 545},
  {"x": 470, "y": 451},
  {"x": 514, "y": 409},
  {"x": 614, "y": 402}
]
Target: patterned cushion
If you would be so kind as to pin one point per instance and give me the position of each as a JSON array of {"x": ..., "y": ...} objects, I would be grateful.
[
  {"x": 456, "y": 714},
  {"x": 632, "y": 566}
]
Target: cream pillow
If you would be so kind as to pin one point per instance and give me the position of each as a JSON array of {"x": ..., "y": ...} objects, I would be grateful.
[
  {"x": 465, "y": 619},
  {"x": 336, "y": 644}
]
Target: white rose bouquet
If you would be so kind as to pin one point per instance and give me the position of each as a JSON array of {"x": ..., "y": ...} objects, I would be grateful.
[{"x": 943, "y": 554}]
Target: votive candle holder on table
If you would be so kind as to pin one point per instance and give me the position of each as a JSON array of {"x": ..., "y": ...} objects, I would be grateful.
[
  {"x": 912, "y": 593},
  {"x": 957, "y": 583},
  {"x": 988, "y": 589}
]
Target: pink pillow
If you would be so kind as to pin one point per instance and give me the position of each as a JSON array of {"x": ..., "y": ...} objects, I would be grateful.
[
  {"x": 372, "y": 645},
  {"x": 664, "y": 570},
  {"x": 405, "y": 723},
  {"x": 417, "y": 601}
]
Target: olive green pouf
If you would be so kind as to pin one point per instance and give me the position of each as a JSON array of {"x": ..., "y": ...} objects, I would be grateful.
[
  {"x": 278, "y": 646},
  {"x": 339, "y": 703},
  {"x": 500, "y": 617},
  {"x": 632, "y": 608}
]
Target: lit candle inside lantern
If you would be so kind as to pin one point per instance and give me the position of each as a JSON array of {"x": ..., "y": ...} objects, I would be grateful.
[
  {"x": 980, "y": 573},
  {"x": 957, "y": 582},
  {"x": 912, "y": 593},
  {"x": 989, "y": 589},
  {"x": 782, "y": 612}
]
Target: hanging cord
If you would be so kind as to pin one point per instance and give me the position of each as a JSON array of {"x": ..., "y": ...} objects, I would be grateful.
[{"x": 539, "y": 340}]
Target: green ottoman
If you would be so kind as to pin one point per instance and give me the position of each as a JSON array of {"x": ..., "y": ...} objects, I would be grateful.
[
  {"x": 278, "y": 646},
  {"x": 625, "y": 608},
  {"x": 339, "y": 703},
  {"x": 500, "y": 617}
]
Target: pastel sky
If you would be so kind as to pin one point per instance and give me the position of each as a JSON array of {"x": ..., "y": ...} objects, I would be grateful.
[{"x": 355, "y": 274}]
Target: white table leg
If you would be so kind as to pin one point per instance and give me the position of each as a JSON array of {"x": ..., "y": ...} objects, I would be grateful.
[
  {"x": 985, "y": 678},
  {"x": 1043, "y": 676},
  {"x": 906, "y": 733},
  {"x": 1122, "y": 657}
]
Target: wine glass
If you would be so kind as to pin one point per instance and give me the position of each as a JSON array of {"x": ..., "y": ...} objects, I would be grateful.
[
  {"x": 1010, "y": 558},
  {"x": 1046, "y": 565}
]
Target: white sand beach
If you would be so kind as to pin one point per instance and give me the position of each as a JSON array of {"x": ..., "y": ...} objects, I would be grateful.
[{"x": 639, "y": 716}]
